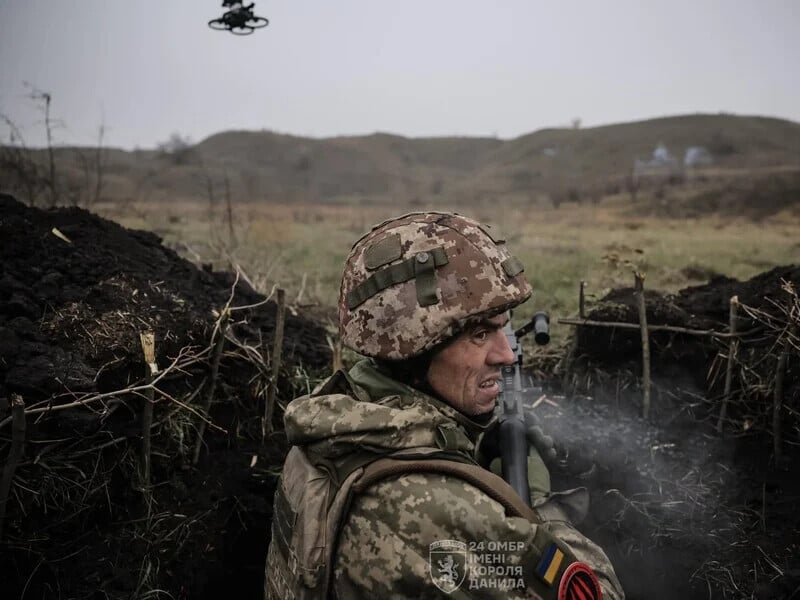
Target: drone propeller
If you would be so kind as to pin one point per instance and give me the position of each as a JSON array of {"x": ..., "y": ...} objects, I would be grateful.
[{"x": 239, "y": 20}]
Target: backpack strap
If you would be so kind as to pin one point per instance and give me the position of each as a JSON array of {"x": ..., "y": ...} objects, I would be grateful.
[
  {"x": 486, "y": 481},
  {"x": 358, "y": 479}
]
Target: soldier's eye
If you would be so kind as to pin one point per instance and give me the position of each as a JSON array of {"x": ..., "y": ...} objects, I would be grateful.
[{"x": 481, "y": 335}]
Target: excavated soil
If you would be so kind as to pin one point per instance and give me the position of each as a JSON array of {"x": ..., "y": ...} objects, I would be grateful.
[
  {"x": 683, "y": 510},
  {"x": 686, "y": 510},
  {"x": 766, "y": 304},
  {"x": 76, "y": 292}
]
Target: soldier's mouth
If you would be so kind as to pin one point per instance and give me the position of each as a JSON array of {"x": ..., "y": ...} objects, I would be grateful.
[{"x": 489, "y": 384}]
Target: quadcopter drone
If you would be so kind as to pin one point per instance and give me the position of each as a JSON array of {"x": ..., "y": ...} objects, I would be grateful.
[{"x": 239, "y": 19}]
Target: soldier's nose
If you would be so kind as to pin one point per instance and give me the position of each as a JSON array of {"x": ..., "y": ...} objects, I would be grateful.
[{"x": 501, "y": 352}]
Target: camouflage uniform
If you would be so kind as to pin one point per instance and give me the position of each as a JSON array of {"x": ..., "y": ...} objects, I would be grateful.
[
  {"x": 384, "y": 545},
  {"x": 409, "y": 285}
]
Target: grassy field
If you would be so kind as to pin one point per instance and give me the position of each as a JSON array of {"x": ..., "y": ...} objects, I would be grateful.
[{"x": 302, "y": 247}]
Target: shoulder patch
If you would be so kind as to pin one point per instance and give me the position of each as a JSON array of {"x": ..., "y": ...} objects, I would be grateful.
[
  {"x": 579, "y": 583},
  {"x": 551, "y": 560}
]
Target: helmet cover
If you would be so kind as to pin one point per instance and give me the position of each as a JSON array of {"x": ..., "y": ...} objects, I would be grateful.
[{"x": 413, "y": 281}]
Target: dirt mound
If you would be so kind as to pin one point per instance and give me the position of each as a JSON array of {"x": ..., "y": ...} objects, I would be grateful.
[
  {"x": 684, "y": 510},
  {"x": 76, "y": 293},
  {"x": 765, "y": 304}
]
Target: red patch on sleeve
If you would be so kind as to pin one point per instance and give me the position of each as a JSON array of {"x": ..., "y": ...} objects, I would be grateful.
[{"x": 579, "y": 583}]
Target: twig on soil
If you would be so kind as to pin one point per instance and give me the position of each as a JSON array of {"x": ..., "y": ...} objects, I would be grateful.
[
  {"x": 177, "y": 365},
  {"x": 234, "y": 309},
  {"x": 17, "y": 446},
  {"x": 148, "y": 341},
  {"x": 218, "y": 342},
  {"x": 732, "y": 349},
  {"x": 100, "y": 447},
  {"x": 639, "y": 291},
  {"x": 770, "y": 562},
  {"x": 220, "y": 329},
  {"x": 777, "y": 402},
  {"x": 708, "y": 571},
  {"x": 30, "y": 577},
  {"x": 277, "y": 349},
  {"x": 188, "y": 408},
  {"x": 672, "y": 328},
  {"x": 538, "y": 401}
]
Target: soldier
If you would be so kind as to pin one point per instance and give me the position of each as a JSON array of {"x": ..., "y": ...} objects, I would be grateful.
[{"x": 382, "y": 494}]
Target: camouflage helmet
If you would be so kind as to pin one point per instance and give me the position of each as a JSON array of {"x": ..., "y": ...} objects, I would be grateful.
[{"x": 413, "y": 281}]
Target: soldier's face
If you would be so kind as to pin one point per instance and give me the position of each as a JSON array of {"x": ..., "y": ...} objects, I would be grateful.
[{"x": 466, "y": 372}]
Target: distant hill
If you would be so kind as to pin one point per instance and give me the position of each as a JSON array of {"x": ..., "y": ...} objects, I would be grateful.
[{"x": 256, "y": 166}]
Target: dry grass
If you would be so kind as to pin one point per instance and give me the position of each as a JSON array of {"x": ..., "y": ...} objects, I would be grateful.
[{"x": 302, "y": 247}]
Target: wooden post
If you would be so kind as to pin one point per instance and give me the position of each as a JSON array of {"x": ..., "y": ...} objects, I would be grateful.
[
  {"x": 733, "y": 347},
  {"x": 777, "y": 400},
  {"x": 566, "y": 365},
  {"x": 336, "y": 353},
  {"x": 212, "y": 384},
  {"x": 14, "y": 454},
  {"x": 639, "y": 291},
  {"x": 277, "y": 349},
  {"x": 229, "y": 207},
  {"x": 148, "y": 340}
]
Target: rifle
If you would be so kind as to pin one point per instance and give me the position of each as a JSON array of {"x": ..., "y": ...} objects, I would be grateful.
[{"x": 512, "y": 436}]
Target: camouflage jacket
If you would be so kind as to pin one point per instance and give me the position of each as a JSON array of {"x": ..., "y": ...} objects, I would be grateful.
[{"x": 401, "y": 535}]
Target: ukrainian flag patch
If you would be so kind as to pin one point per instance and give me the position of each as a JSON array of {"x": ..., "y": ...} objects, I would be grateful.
[{"x": 551, "y": 560}]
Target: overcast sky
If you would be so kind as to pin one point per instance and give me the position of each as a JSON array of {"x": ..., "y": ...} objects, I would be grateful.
[{"x": 146, "y": 68}]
